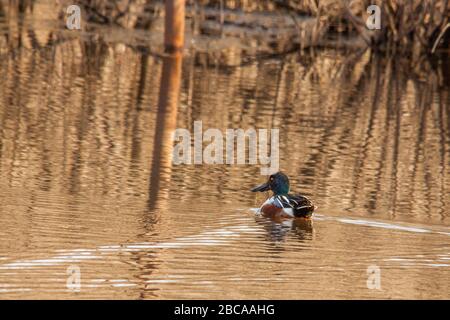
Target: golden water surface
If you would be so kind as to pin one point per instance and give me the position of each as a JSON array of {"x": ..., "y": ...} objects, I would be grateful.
[{"x": 87, "y": 178}]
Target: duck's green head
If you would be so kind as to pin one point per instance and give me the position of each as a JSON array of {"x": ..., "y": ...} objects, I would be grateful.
[{"x": 278, "y": 183}]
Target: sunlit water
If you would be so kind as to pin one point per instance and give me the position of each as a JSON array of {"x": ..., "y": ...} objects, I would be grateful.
[{"x": 86, "y": 177}]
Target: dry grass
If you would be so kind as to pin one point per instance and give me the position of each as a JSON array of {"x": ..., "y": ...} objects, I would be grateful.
[
  {"x": 414, "y": 27},
  {"x": 406, "y": 25}
]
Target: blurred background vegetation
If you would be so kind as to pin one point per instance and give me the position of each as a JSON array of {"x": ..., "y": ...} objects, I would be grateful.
[
  {"x": 407, "y": 25},
  {"x": 411, "y": 27}
]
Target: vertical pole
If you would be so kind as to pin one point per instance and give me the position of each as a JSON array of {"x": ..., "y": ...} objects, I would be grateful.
[
  {"x": 174, "y": 26},
  {"x": 166, "y": 123}
]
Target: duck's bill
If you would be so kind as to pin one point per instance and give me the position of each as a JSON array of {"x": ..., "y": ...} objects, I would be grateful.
[{"x": 261, "y": 188}]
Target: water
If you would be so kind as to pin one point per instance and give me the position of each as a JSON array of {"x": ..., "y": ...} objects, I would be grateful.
[{"x": 86, "y": 177}]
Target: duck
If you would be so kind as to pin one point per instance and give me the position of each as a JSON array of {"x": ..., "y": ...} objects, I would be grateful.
[{"x": 282, "y": 204}]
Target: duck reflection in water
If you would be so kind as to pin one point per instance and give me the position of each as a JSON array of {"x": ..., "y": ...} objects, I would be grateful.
[{"x": 277, "y": 230}]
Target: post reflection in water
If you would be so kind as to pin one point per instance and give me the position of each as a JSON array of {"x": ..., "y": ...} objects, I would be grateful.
[{"x": 166, "y": 121}]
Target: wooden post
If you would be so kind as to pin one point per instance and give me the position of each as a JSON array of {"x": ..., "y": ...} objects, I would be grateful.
[{"x": 174, "y": 26}]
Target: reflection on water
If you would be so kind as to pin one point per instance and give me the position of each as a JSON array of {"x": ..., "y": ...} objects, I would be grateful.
[
  {"x": 166, "y": 124},
  {"x": 86, "y": 176}
]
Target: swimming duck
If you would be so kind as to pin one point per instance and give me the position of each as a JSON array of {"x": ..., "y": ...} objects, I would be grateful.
[{"x": 282, "y": 204}]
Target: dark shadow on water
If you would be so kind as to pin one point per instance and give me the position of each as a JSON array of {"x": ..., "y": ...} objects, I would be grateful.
[{"x": 279, "y": 230}]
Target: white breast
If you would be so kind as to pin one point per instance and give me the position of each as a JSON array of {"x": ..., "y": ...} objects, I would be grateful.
[{"x": 289, "y": 211}]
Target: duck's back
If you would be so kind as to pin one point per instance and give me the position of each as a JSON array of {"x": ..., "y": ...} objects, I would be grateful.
[{"x": 295, "y": 204}]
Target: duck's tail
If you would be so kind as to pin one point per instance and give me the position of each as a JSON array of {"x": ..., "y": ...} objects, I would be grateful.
[{"x": 304, "y": 211}]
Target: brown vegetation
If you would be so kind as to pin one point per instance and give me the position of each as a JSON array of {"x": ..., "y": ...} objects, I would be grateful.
[
  {"x": 408, "y": 26},
  {"x": 411, "y": 27}
]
